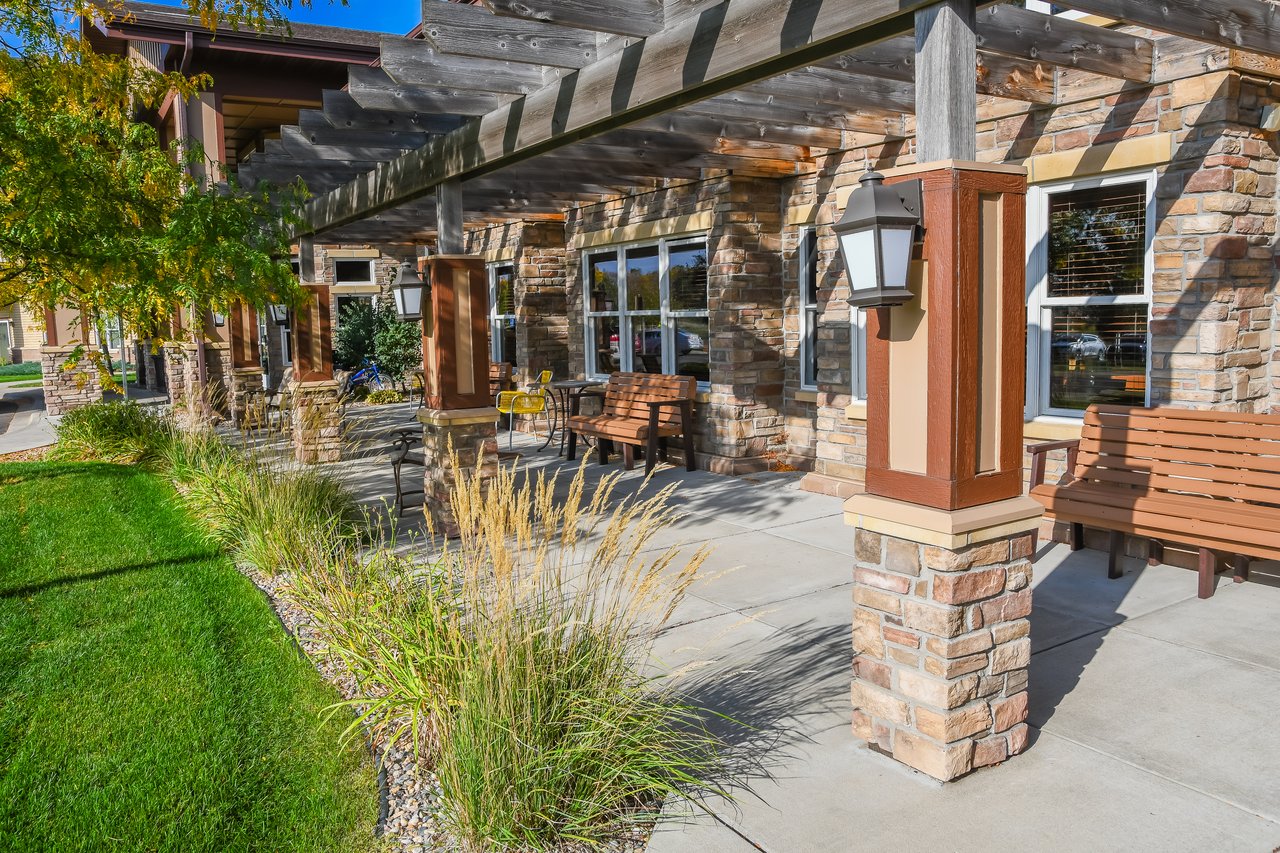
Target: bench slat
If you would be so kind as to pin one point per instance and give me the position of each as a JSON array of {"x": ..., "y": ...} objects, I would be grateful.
[
  {"x": 1158, "y": 438},
  {"x": 1131, "y": 478}
]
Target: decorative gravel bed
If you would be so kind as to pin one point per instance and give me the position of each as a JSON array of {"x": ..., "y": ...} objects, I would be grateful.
[{"x": 410, "y": 791}]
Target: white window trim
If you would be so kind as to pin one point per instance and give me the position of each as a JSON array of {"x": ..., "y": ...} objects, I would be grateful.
[
  {"x": 808, "y": 334},
  {"x": 1039, "y": 343},
  {"x": 338, "y": 286},
  {"x": 857, "y": 331},
  {"x": 667, "y": 317},
  {"x": 495, "y": 319}
]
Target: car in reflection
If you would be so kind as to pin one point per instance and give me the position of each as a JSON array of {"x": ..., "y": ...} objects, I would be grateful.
[
  {"x": 1130, "y": 348},
  {"x": 649, "y": 342},
  {"x": 1080, "y": 346}
]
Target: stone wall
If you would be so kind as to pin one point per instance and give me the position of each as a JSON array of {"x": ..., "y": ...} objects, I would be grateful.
[
  {"x": 941, "y": 651},
  {"x": 317, "y": 422},
  {"x": 67, "y": 389}
]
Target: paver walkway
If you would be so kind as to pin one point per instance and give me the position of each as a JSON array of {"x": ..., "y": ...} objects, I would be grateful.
[{"x": 1153, "y": 712}]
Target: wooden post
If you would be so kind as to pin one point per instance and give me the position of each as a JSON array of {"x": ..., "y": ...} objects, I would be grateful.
[
  {"x": 449, "y": 239},
  {"x": 946, "y": 82},
  {"x": 317, "y": 416}
]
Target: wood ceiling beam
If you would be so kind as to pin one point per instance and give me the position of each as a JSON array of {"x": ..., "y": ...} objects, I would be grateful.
[
  {"x": 416, "y": 62},
  {"x": 464, "y": 30},
  {"x": 318, "y": 131},
  {"x": 838, "y": 89},
  {"x": 745, "y": 106},
  {"x": 1246, "y": 24},
  {"x": 728, "y": 46},
  {"x": 337, "y": 146},
  {"x": 1022, "y": 34},
  {"x": 743, "y": 129},
  {"x": 342, "y": 111},
  {"x": 373, "y": 89},
  {"x": 638, "y": 18}
]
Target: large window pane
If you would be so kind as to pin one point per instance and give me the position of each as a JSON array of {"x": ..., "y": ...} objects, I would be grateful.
[
  {"x": 602, "y": 333},
  {"x": 504, "y": 336},
  {"x": 646, "y": 342},
  {"x": 1098, "y": 355},
  {"x": 692, "y": 335},
  {"x": 504, "y": 290},
  {"x": 602, "y": 271},
  {"x": 1097, "y": 241},
  {"x": 687, "y": 270},
  {"x": 644, "y": 291}
]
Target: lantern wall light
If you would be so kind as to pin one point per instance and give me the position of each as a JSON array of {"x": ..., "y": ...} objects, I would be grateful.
[
  {"x": 219, "y": 319},
  {"x": 877, "y": 234},
  {"x": 408, "y": 290},
  {"x": 279, "y": 314}
]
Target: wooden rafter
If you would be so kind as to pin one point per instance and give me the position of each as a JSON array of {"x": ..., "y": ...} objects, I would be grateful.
[
  {"x": 465, "y": 30},
  {"x": 373, "y": 89},
  {"x": 1023, "y": 34},
  {"x": 1248, "y": 24},
  {"x": 415, "y": 62},
  {"x": 342, "y": 111},
  {"x": 638, "y": 18}
]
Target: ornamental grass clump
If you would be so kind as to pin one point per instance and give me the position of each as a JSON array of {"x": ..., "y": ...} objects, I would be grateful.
[
  {"x": 516, "y": 660},
  {"x": 269, "y": 516},
  {"x": 120, "y": 432}
]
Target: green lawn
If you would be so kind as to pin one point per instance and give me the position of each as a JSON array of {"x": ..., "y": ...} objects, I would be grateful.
[{"x": 149, "y": 698}]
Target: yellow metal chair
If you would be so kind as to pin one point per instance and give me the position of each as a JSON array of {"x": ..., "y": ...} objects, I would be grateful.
[{"x": 534, "y": 400}]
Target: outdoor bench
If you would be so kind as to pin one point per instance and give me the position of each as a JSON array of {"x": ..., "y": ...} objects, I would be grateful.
[
  {"x": 1210, "y": 480},
  {"x": 639, "y": 410}
]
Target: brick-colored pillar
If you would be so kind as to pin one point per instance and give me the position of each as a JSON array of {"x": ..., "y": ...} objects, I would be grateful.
[
  {"x": 460, "y": 424},
  {"x": 942, "y": 644},
  {"x": 315, "y": 394},
  {"x": 67, "y": 389}
]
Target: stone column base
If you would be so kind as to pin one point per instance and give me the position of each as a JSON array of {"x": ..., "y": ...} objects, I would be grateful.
[
  {"x": 317, "y": 421},
  {"x": 467, "y": 436},
  {"x": 244, "y": 383},
  {"x": 941, "y": 637},
  {"x": 65, "y": 390}
]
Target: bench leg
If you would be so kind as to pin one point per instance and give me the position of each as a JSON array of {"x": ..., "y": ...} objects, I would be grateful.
[
  {"x": 662, "y": 448},
  {"x": 573, "y": 446},
  {"x": 1115, "y": 555},
  {"x": 628, "y": 457},
  {"x": 1240, "y": 568},
  {"x": 689, "y": 463},
  {"x": 650, "y": 454},
  {"x": 1077, "y": 536},
  {"x": 1208, "y": 562},
  {"x": 604, "y": 446},
  {"x": 1155, "y": 552}
]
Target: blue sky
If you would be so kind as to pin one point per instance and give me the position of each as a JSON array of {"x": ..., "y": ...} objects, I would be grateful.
[{"x": 390, "y": 16}]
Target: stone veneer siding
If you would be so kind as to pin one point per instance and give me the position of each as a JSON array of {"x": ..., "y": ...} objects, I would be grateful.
[{"x": 67, "y": 389}]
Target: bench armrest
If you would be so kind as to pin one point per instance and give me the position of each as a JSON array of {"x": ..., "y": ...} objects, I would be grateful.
[
  {"x": 1039, "y": 455},
  {"x": 686, "y": 413}
]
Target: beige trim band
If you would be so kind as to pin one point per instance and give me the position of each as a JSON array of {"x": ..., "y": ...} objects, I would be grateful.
[
  {"x": 458, "y": 417},
  {"x": 500, "y": 256},
  {"x": 347, "y": 254},
  {"x": 944, "y": 529},
  {"x": 802, "y": 214},
  {"x": 355, "y": 289},
  {"x": 675, "y": 225},
  {"x": 1142, "y": 152}
]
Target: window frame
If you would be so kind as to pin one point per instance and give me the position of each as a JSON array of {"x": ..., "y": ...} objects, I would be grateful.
[
  {"x": 1040, "y": 305},
  {"x": 496, "y": 319},
  {"x": 809, "y": 329},
  {"x": 807, "y": 281},
  {"x": 363, "y": 282},
  {"x": 667, "y": 316}
]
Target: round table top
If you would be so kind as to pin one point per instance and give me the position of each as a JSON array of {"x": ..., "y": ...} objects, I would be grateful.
[{"x": 572, "y": 384}]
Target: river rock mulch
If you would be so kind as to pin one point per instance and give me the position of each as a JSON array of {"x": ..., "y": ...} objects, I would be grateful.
[{"x": 410, "y": 791}]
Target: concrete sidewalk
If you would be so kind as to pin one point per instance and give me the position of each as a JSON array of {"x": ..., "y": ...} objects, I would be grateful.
[
  {"x": 1152, "y": 711},
  {"x": 23, "y": 422}
]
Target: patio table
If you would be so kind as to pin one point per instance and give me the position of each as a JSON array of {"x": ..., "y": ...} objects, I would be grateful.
[{"x": 568, "y": 395}]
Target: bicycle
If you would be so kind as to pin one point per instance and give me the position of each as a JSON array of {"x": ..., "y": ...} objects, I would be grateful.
[{"x": 366, "y": 377}]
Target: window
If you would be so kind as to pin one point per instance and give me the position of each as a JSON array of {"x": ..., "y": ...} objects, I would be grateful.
[
  {"x": 809, "y": 313},
  {"x": 343, "y": 304},
  {"x": 646, "y": 309},
  {"x": 352, "y": 271},
  {"x": 809, "y": 308},
  {"x": 1090, "y": 274},
  {"x": 502, "y": 313}
]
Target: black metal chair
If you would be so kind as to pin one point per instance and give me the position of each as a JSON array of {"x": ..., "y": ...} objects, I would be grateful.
[{"x": 402, "y": 446}]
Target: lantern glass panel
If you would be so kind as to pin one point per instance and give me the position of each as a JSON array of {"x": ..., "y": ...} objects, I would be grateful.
[
  {"x": 859, "y": 248},
  {"x": 895, "y": 254},
  {"x": 408, "y": 301}
]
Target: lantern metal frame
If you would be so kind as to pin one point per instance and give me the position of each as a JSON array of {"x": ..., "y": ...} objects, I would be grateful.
[
  {"x": 876, "y": 207},
  {"x": 407, "y": 280}
]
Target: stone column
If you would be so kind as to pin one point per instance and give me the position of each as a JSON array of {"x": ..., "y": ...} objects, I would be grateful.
[
  {"x": 65, "y": 390},
  {"x": 317, "y": 421},
  {"x": 940, "y": 634},
  {"x": 467, "y": 437}
]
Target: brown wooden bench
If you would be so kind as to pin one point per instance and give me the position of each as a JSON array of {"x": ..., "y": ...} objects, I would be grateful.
[
  {"x": 1210, "y": 480},
  {"x": 639, "y": 410}
]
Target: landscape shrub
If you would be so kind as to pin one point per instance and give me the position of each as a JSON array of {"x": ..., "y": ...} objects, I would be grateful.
[
  {"x": 377, "y": 333},
  {"x": 269, "y": 517},
  {"x": 515, "y": 660},
  {"x": 383, "y": 396},
  {"x": 20, "y": 370},
  {"x": 121, "y": 432}
]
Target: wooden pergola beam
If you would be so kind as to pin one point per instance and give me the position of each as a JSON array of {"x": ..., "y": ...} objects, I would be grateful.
[
  {"x": 464, "y": 30},
  {"x": 374, "y": 89},
  {"x": 639, "y": 18},
  {"x": 1247, "y": 24},
  {"x": 732, "y": 44},
  {"x": 415, "y": 62},
  {"x": 745, "y": 129},
  {"x": 745, "y": 106},
  {"x": 1022, "y": 34},
  {"x": 342, "y": 112},
  {"x": 1007, "y": 77}
]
